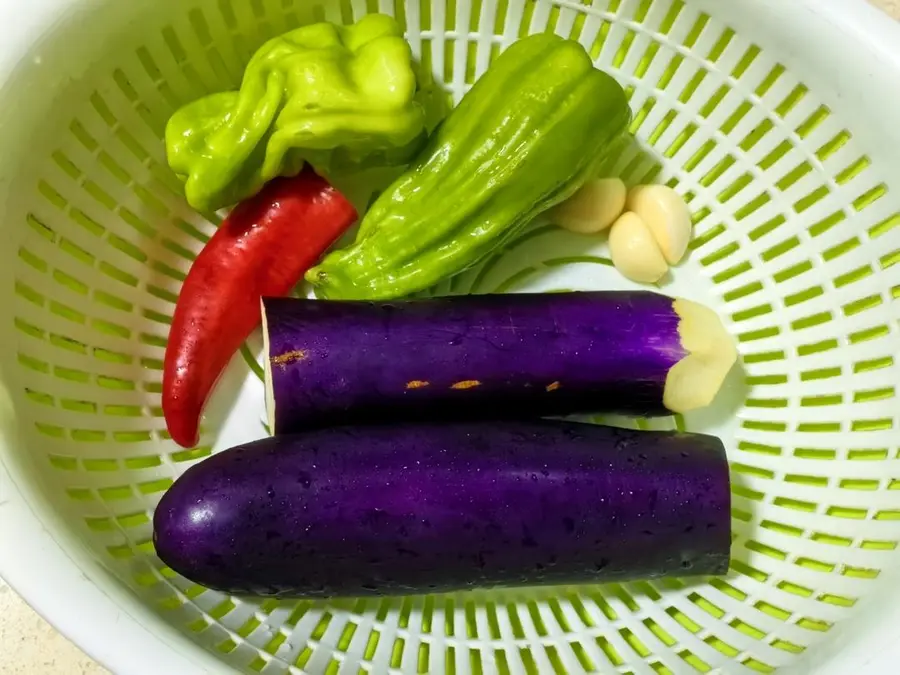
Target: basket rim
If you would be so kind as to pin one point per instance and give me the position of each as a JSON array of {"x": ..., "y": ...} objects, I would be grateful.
[{"x": 61, "y": 580}]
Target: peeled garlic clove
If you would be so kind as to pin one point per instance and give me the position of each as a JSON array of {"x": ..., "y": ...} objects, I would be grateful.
[
  {"x": 634, "y": 250},
  {"x": 668, "y": 217},
  {"x": 593, "y": 208}
]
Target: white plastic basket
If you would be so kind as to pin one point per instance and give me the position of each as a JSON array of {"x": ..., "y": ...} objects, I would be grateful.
[{"x": 778, "y": 120}]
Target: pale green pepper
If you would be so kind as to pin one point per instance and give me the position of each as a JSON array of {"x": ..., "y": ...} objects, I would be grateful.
[
  {"x": 324, "y": 94},
  {"x": 534, "y": 128}
]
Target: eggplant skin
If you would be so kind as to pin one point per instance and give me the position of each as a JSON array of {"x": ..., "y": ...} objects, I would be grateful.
[
  {"x": 469, "y": 357},
  {"x": 434, "y": 507}
]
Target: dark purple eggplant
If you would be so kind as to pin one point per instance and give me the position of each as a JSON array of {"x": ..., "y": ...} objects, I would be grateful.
[
  {"x": 490, "y": 356},
  {"x": 428, "y": 507}
]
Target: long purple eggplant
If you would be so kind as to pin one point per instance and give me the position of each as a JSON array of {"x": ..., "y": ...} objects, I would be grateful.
[
  {"x": 490, "y": 356},
  {"x": 431, "y": 507}
]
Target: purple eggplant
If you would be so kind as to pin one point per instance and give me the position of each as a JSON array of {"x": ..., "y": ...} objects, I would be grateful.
[
  {"x": 430, "y": 507},
  {"x": 490, "y": 356}
]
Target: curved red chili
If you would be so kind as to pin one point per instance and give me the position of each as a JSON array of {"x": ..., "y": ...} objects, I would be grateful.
[{"x": 262, "y": 249}]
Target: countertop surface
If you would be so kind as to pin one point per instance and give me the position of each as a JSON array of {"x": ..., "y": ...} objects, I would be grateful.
[{"x": 30, "y": 646}]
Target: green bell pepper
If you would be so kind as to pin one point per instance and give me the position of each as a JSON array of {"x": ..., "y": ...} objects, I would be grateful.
[
  {"x": 534, "y": 128},
  {"x": 324, "y": 94}
]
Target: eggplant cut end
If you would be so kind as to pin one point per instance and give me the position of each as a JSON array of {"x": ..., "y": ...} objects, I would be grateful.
[
  {"x": 695, "y": 380},
  {"x": 267, "y": 367}
]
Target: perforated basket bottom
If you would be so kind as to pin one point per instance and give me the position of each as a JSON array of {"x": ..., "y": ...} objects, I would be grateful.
[{"x": 796, "y": 237}]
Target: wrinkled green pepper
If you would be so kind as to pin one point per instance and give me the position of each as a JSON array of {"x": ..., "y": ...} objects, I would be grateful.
[
  {"x": 534, "y": 128},
  {"x": 324, "y": 94}
]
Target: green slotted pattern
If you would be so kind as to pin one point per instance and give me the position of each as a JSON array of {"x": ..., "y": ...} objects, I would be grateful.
[{"x": 796, "y": 245}]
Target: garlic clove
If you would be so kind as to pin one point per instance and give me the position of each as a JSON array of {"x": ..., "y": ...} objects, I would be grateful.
[
  {"x": 664, "y": 211},
  {"x": 634, "y": 250},
  {"x": 593, "y": 208}
]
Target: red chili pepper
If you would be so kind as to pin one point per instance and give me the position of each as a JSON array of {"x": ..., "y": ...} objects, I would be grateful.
[{"x": 262, "y": 249}]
